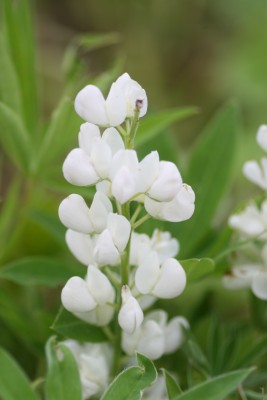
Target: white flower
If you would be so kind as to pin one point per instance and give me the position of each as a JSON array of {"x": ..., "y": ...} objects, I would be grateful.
[
  {"x": 125, "y": 96},
  {"x": 131, "y": 315},
  {"x": 166, "y": 281},
  {"x": 161, "y": 242},
  {"x": 88, "y": 298},
  {"x": 253, "y": 276},
  {"x": 251, "y": 221},
  {"x": 159, "y": 180},
  {"x": 81, "y": 246},
  {"x": 155, "y": 336},
  {"x": 262, "y": 137},
  {"x": 157, "y": 391},
  {"x": 94, "y": 362},
  {"x": 74, "y": 213},
  {"x": 179, "y": 209},
  {"x": 91, "y": 162},
  {"x": 256, "y": 173}
]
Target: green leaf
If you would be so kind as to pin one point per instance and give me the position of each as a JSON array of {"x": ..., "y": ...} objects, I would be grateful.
[
  {"x": 257, "y": 350},
  {"x": 50, "y": 223},
  {"x": 9, "y": 86},
  {"x": 60, "y": 135},
  {"x": 63, "y": 380},
  {"x": 8, "y": 210},
  {"x": 68, "y": 325},
  {"x": 209, "y": 174},
  {"x": 197, "y": 268},
  {"x": 216, "y": 388},
  {"x": 37, "y": 271},
  {"x": 18, "y": 30},
  {"x": 129, "y": 384},
  {"x": 173, "y": 389},
  {"x": 14, "y": 137},
  {"x": 155, "y": 124},
  {"x": 14, "y": 384}
]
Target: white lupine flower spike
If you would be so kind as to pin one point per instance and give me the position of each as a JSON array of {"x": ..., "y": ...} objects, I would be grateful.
[{"x": 101, "y": 233}]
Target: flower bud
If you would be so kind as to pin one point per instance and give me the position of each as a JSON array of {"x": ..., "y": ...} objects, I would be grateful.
[{"x": 130, "y": 315}]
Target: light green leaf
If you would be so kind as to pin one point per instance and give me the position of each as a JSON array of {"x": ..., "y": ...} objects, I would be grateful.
[
  {"x": 14, "y": 137},
  {"x": 216, "y": 388},
  {"x": 129, "y": 383},
  {"x": 50, "y": 223},
  {"x": 63, "y": 380},
  {"x": 173, "y": 389},
  {"x": 68, "y": 325},
  {"x": 8, "y": 210},
  {"x": 197, "y": 268},
  {"x": 9, "y": 86},
  {"x": 18, "y": 30},
  {"x": 60, "y": 135},
  {"x": 209, "y": 174},
  {"x": 257, "y": 350},
  {"x": 37, "y": 271},
  {"x": 14, "y": 384},
  {"x": 155, "y": 124}
]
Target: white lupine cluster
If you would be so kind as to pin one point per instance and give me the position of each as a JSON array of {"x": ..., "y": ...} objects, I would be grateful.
[
  {"x": 252, "y": 223},
  {"x": 101, "y": 234}
]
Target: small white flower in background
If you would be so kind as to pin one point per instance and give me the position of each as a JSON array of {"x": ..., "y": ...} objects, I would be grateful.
[
  {"x": 251, "y": 221},
  {"x": 253, "y": 276},
  {"x": 157, "y": 391},
  {"x": 125, "y": 96},
  {"x": 156, "y": 336},
  {"x": 161, "y": 242},
  {"x": 255, "y": 172},
  {"x": 94, "y": 362},
  {"x": 89, "y": 298},
  {"x": 165, "y": 281},
  {"x": 131, "y": 315}
]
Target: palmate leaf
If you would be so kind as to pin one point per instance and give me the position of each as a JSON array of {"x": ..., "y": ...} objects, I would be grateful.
[
  {"x": 37, "y": 271},
  {"x": 197, "y": 268},
  {"x": 66, "y": 324},
  {"x": 63, "y": 380},
  {"x": 155, "y": 124},
  {"x": 14, "y": 384},
  {"x": 209, "y": 175},
  {"x": 217, "y": 388},
  {"x": 129, "y": 384}
]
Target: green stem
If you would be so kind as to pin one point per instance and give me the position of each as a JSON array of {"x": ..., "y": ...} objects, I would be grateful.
[
  {"x": 130, "y": 138},
  {"x": 141, "y": 221},
  {"x": 136, "y": 213}
]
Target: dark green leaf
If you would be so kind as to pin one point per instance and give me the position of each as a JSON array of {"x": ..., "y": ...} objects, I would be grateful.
[
  {"x": 50, "y": 223},
  {"x": 14, "y": 384},
  {"x": 256, "y": 351},
  {"x": 68, "y": 325},
  {"x": 9, "y": 86},
  {"x": 128, "y": 385},
  {"x": 216, "y": 388},
  {"x": 14, "y": 137},
  {"x": 63, "y": 380},
  {"x": 18, "y": 29},
  {"x": 197, "y": 268},
  {"x": 173, "y": 389},
  {"x": 37, "y": 271},
  {"x": 155, "y": 124},
  {"x": 209, "y": 174}
]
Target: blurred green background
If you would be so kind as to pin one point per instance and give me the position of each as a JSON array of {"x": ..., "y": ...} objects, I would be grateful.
[{"x": 184, "y": 53}]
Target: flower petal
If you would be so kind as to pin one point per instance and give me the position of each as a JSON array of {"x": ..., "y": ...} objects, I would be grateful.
[
  {"x": 99, "y": 210},
  {"x": 81, "y": 246},
  {"x": 87, "y": 135},
  {"x": 76, "y": 297},
  {"x": 171, "y": 281},
  {"x": 99, "y": 286},
  {"x": 167, "y": 184},
  {"x": 259, "y": 285},
  {"x": 74, "y": 214},
  {"x": 131, "y": 315},
  {"x": 151, "y": 342},
  {"x": 101, "y": 158},
  {"x": 90, "y": 105},
  {"x": 116, "y": 107},
  {"x": 105, "y": 250},
  {"x": 262, "y": 137},
  {"x": 147, "y": 274},
  {"x": 174, "y": 335},
  {"x": 123, "y": 185},
  {"x": 78, "y": 169},
  {"x": 113, "y": 139},
  {"x": 120, "y": 229},
  {"x": 255, "y": 173},
  {"x": 148, "y": 171}
]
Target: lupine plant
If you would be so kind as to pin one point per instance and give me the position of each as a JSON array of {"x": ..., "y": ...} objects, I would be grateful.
[{"x": 114, "y": 282}]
